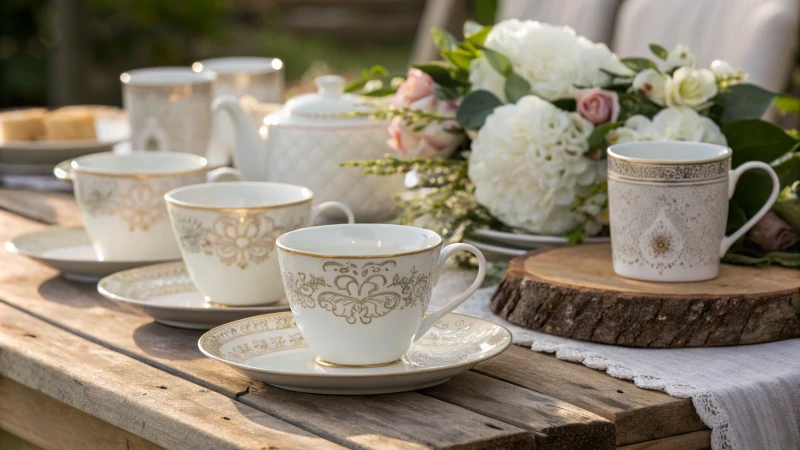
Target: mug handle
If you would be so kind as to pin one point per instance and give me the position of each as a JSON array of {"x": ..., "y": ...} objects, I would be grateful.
[
  {"x": 454, "y": 303},
  {"x": 222, "y": 174},
  {"x": 335, "y": 205},
  {"x": 734, "y": 178},
  {"x": 63, "y": 170}
]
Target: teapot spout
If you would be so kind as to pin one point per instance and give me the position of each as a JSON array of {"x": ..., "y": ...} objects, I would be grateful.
[{"x": 250, "y": 156}]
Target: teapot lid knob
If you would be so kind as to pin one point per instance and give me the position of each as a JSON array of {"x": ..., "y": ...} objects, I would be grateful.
[{"x": 330, "y": 84}]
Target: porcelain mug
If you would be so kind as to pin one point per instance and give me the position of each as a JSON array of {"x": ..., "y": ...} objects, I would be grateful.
[
  {"x": 121, "y": 200},
  {"x": 169, "y": 108},
  {"x": 227, "y": 234},
  {"x": 668, "y": 205},
  {"x": 360, "y": 293}
]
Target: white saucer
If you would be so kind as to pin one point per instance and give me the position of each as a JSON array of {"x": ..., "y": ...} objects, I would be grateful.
[
  {"x": 521, "y": 241},
  {"x": 68, "y": 249},
  {"x": 495, "y": 252},
  {"x": 271, "y": 348},
  {"x": 166, "y": 293}
]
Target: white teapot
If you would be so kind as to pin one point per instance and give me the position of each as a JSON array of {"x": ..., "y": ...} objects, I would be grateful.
[{"x": 304, "y": 142}]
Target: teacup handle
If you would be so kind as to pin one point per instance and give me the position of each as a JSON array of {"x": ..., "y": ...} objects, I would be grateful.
[
  {"x": 732, "y": 180},
  {"x": 335, "y": 205},
  {"x": 222, "y": 174},
  {"x": 63, "y": 170},
  {"x": 454, "y": 303}
]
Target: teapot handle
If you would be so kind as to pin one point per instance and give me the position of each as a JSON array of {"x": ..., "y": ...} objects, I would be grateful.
[{"x": 222, "y": 174}]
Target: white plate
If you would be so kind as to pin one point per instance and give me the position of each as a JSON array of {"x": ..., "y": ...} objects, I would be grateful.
[
  {"x": 112, "y": 128},
  {"x": 271, "y": 348},
  {"x": 528, "y": 241},
  {"x": 166, "y": 293},
  {"x": 68, "y": 249},
  {"x": 490, "y": 250}
]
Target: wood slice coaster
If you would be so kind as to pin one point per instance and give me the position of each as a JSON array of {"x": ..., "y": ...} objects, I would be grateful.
[{"x": 573, "y": 292}]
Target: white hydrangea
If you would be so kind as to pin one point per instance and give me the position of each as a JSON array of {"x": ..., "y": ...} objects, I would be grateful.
[
  {"x": 673, "y": 124},
  {"x": 554, "y": 60},
  {"x": 528, "y": 165}
]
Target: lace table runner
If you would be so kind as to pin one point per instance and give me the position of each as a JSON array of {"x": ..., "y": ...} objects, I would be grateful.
[{"x": 748, "y": 395}]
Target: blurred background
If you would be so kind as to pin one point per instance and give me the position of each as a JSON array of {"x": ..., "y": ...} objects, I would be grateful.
[{"x": 59, "y": 52}]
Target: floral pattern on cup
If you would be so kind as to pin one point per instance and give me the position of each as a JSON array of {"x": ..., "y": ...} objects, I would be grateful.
[
  {"x": 358, "y": 292},
  {"x": 233, "y": 239}
]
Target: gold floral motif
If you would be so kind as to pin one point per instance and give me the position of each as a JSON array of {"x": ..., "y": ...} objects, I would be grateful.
[
  {"x": 141, "y": 206},
  {"x": 216, "y": 338},
  {"x": 660, "y": 243},
  {"x": 359, "y": 293},
  {"x": 239, "y": 240}
]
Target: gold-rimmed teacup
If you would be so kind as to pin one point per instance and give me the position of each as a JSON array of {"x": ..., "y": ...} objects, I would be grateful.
[
  {"x": 227, "y": 234},
  {"x": 121, "y": 200}
]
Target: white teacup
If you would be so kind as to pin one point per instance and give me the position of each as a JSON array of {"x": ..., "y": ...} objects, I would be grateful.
[
  {"x": 668, "y": 205},
  {"x": 227, "y": 234},
  {"x": 121, "y": 200},
  {"x": 359, "y": 293}
]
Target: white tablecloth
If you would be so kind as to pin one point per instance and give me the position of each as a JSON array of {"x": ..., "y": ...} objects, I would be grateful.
[{"x": 748, "y": 395}]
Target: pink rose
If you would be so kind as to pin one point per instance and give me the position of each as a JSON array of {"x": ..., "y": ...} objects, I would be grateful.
[
  {"x": 418, "y": 84},
  {"x": 597, "y": 105},
  {"x": 437, "y": 139},
  {"x": 773, "y": 234}
]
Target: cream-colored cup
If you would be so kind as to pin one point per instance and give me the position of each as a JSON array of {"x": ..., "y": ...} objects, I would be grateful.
[
  {"x": 227, "y": 234},
  {"x": 668, "y": 206},
  {"x": 169, "y": 108},
  {"x": 121, "y": 200},
  {"x": 360, "y": 293}
]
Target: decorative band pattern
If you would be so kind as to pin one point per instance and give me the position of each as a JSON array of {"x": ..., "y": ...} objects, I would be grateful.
[{"x": 668, "y": 172}]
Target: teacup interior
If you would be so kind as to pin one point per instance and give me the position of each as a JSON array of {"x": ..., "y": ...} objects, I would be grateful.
[
  {"x": 166, "y": 76},
  {"x": 359, "y": 240},
  {"x": 140, "y": 163},
  {"x": 239, "y": 195},
  {"x": 670, "y": 151}
]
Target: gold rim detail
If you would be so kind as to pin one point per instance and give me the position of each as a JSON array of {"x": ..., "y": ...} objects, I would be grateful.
[{"x": 324, "y": 363}]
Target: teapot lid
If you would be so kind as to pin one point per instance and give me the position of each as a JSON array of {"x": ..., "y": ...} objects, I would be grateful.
[{"x": 328, "y": 107}]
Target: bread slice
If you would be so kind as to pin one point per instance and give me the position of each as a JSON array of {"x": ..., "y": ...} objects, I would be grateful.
[
  {"x": 70, "y": 123},
  {"x": 23, "y": 125}
]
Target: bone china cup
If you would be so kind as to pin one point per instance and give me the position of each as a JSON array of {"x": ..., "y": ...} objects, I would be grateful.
[
  {"x": 359, "y": 293},
  {"x": 121, "y": 200},
  {"x": 668, "y": 204},
  {"x": 227, "y": 234}
]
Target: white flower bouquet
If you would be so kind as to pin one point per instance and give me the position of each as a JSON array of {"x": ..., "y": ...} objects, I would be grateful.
[{"x": 510, "y": 130}]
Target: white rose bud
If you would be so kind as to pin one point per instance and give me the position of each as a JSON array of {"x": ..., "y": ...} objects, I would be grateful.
[
  {"x": 722, "y": 69},
  {"x": 653, "y": 83},
  {"x": 680, "y": 56},
  {"x": 691, "y": 87}
]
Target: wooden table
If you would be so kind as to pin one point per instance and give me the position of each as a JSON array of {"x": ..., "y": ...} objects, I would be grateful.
[{"x": 77, "y": 372}]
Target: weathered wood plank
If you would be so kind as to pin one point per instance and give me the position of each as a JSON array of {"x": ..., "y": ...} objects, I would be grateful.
[
  {"x": 41, "y": 206},
  {"x": 398, "y": 421},
  {"x": 131, "y": 395},
  {"x": 639, "y": 414},
  {"x": 697, "y": 440},
  {"x": 52, "y": 425}
]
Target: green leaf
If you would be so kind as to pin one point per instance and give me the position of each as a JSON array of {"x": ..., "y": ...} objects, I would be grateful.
[
  {"x": 736, "y": 218},
  {"x": 756, "y": 140},
  {"x": 639, "y": 64},
  {"x": 475, "y": 108},
  {"x": 745, "y": 101},
  {"x": 383, "y": 92},
  {"x": 477, "y": 39},
  {"x": 744, "y": 260},
  {"x": 443, "y": 40},
  {"x": 440, "y": 73},
  {"x": 575, "y": 236},
  {"x": 659, "y": 51},
  {"x": 567, "y": 104},
  {"x": 787, "y": 104},
  {"x": 498, "y": 61},
  {"x": 356, "y": 85},
  {"x": 460, "y": 58},
  {"x": 598, "y": 136},
  {"x": 789, "y": 170},
  {"x": 784, "y": 258},
  {"x": 516, "y": 87}
]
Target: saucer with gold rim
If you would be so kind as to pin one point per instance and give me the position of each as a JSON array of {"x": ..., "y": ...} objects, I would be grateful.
[
  {"x": 69, "y": 250},
  {"x": 166, "y": 293},
  {"x": 270, "y": 348}
]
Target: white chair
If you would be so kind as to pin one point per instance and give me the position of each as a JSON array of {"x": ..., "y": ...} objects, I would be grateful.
[
  {"x": 760, "y": 36},
  {"x": 593, "y": 19}
]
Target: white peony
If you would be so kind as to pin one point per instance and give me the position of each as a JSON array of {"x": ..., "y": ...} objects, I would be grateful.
[
  {"x": 670, "y": 124},
  {"x": 691, "y": 87},
  {"x": 528, "y": 165},
  {"x": 554, "y": 60},
  {"x": 680, "y": 56},
  {"x": 653, "y": 83}
]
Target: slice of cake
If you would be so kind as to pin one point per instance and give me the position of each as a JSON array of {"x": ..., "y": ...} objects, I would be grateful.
[
  {"x": 23, "y": 125},
  {"x": 70, "y": 123}
]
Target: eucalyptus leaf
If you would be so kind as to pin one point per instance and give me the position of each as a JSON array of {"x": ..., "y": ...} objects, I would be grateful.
[
  {"x": 639, "y": 64},
  {"x": 498, "y": 61},
  {"x": 659, "y": 51},
  {"x": 516, "y": 87},
  {"x": 475, "y": 108},
  {"x": 756, "y": 140},
  {"x": 745, "y": 101}
]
